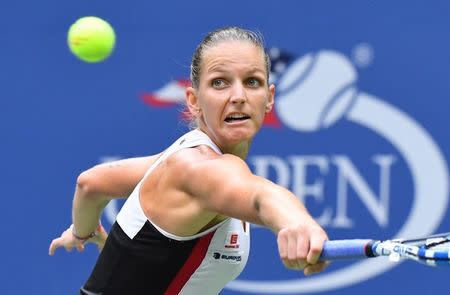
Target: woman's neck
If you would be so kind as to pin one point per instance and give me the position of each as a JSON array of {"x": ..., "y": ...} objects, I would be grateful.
[{"x": 240, "y": 149}]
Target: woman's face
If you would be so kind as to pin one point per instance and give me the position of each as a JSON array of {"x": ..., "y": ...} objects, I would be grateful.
[{"x": 233, "y": 95}]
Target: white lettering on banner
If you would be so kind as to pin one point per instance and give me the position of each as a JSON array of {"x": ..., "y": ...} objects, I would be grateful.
[
  {"x": 262, "y": 166},
  {"x": 292, "y": 172},
  {"x": 379, "y": 209},
  {"x": 302, "y": 189}
]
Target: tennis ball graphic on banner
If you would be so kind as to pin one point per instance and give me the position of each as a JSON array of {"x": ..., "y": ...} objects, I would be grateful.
[
  {"x": 91, "y": 39},
  {"x": 316, "y": 91}
]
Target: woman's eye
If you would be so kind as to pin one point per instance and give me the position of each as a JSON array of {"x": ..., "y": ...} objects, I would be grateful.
[
  {"x": 218, "y": 83},
  {"x": 253, "y": 82}
]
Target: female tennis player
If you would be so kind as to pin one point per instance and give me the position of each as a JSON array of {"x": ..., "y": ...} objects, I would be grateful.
[{"x": 184, "y": 227}]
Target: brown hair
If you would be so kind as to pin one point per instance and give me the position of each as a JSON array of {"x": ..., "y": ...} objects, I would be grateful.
[{"x": 220, "y": 35}]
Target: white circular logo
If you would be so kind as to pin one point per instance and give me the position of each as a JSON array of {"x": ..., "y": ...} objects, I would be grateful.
[{"x": 313, "y": 93}]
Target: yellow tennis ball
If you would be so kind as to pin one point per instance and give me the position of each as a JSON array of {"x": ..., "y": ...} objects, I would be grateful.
[{"x": 91, "y": 39}]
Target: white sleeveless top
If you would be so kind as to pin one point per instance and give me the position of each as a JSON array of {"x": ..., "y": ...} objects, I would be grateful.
[{"x": 228, "y": 242}]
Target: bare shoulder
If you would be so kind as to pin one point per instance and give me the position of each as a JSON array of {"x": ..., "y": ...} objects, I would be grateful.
[
  {"x": 201, "y": 172},
  {"x": 215, "y": 183}
]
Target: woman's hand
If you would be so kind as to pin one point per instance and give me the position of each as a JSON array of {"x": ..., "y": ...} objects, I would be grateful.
[
  {"x": 300, "y": 248},
  {"x": 69, "y": 241}
]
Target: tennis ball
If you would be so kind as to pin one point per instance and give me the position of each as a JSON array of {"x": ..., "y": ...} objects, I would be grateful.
[{"x": 91, "y": 39}]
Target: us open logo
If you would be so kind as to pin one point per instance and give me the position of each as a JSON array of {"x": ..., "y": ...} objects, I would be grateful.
[{"x": 315, "y": 93}]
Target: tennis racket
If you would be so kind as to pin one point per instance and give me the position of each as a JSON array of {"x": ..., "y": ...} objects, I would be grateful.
[{"x": 432, "y": 250}]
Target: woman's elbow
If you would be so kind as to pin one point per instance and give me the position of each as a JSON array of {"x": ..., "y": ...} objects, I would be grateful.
[{"x": 87, "y": 184}]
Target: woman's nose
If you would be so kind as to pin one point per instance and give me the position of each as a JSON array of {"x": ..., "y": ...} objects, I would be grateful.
[{"x": 238, "y": 94}]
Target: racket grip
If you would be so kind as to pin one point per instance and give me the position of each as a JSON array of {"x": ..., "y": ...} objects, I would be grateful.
[{"x": 347, "y": 249}]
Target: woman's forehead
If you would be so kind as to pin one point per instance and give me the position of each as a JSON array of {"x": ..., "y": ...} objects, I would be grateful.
[{"x": 233, "y": 52}]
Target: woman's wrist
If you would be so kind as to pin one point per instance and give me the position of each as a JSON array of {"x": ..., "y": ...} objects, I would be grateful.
[{"x": 85, "y": 237}]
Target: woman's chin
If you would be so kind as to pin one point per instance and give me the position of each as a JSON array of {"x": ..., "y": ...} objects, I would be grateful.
[{"x": 240, "y": 136}]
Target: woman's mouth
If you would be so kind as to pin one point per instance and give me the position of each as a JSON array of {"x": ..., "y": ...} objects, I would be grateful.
[{"x": 236, "y": 117}]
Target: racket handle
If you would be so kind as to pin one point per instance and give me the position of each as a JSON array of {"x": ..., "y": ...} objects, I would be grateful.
[{"x": 347, "y": 249}]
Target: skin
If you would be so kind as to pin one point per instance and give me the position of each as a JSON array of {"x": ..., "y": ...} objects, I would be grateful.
[
  {"x": 196, "y": 188},
  {"x": 234, "y": 80},
  {"x": 94, "y": 189}
]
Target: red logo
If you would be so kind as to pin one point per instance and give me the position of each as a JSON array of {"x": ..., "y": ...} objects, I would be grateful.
[{"x": 232, "y": 240}]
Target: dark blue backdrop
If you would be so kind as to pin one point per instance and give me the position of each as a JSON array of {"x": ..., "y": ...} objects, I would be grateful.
[{"x": 370, "y": 161}]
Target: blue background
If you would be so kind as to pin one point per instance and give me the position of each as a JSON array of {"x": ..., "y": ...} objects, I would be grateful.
[{"x": 59, "y": 116}]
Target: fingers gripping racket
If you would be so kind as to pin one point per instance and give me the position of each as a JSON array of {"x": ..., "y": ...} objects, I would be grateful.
[{"x": 431, "y": 250}]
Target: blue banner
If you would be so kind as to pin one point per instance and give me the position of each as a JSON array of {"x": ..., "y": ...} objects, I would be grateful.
[{"x": 358, "y": 132}]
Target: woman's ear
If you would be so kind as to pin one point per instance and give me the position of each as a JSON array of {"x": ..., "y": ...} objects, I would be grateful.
[
  {"x": 271, "y": 99},
  {"x": 192, "y": 101}
]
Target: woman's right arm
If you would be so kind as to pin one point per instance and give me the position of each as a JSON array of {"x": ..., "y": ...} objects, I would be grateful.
[
  {"x": 95, "y": 187},
  {"x": 226, "y": 185},
  {"x": 114, "y": 179}
]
